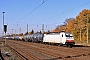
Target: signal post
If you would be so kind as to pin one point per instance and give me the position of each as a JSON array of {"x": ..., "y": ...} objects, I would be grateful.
[{"x": 5, "y": 30}]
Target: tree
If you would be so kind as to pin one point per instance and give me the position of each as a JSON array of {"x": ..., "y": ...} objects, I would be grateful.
[{"x": 77, "y": 26}]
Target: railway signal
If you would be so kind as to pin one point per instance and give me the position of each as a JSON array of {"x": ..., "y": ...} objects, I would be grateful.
[{"x": 5, "y": 28}]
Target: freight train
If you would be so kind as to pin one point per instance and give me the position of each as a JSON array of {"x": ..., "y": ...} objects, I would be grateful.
[{"x": 62, "y": 38}]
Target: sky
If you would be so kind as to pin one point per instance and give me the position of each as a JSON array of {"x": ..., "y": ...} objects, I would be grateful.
[{"x": 35, "y": 13}]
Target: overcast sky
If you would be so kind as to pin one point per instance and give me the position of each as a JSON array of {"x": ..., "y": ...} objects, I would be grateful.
[{"x": 19, "y": 13}]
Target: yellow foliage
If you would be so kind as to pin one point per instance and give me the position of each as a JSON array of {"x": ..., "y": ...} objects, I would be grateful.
[{"x": 75, "y": 25}]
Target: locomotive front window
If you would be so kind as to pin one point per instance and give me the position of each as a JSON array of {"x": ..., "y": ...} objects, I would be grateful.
[{"x": 69, "y": 35}]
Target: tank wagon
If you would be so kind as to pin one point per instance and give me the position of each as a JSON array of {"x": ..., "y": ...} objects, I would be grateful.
[
  {"x": 16, "y": 38},
  {"x": 37, "y": 37}
]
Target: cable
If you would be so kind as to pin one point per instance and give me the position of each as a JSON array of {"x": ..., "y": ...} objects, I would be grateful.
[
  {"x": 55, "y": 15},
  {"x": 33, "y": 10},
  {"x": 68, "y": 10},
  {"x": 19, "y": 13},
  {"x": 21, "y": 10},
  {"x": 60, "y": 13}
]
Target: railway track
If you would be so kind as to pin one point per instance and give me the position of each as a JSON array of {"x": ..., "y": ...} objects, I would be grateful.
[
  {"x": 35, "y": 51},
  {"x": 1, "y": 58},
  {"x": 25, "y": 55}
]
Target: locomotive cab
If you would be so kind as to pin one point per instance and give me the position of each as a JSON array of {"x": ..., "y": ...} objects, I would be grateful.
[{"x": 69, "y": 39}]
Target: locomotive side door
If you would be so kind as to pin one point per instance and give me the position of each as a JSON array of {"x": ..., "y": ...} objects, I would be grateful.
[{"x": 63, "y": 39}]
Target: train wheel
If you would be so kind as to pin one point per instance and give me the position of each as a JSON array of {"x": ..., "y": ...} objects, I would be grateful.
[
  {"x": 70, "y": 46},
  {"x": 61, "y": 44}
]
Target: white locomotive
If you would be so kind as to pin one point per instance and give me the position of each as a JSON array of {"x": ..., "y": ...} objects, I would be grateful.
[{"x": 59, "y": 38}]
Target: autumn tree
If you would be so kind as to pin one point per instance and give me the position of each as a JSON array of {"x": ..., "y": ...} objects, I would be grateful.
[
  {"x": 60, "y": 28},
  {"x": 83, "y": 22},
  {"x": 78, "y": 26}
]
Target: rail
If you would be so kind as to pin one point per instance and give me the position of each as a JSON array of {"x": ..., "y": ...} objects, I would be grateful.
[
  {"x": 1, "y": 58},
  {"x": 17, "y": 53}
]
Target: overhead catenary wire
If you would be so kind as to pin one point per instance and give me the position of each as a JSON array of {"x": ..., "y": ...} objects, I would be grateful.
[
  {"x": 67, "y": 11},
  {"x": 22, "y": 10},
  {"x": 33, "y": 9},
  {"x": 60, "y": 13},
  {"x": 30, "y": 11},
  {"x": 36, "y": 8},
  {"x": 57, "y": 14}
]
